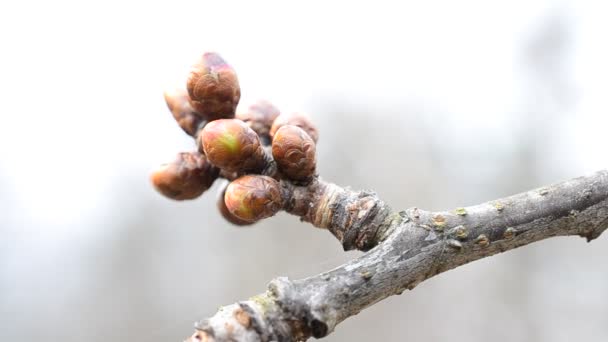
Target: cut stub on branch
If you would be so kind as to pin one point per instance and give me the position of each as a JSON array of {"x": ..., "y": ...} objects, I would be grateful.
[
  {"x": 252, "y": 197},
  {"x": 232, "y": 146},
  {"x": 187, "y": 177},
  {"x": 213, "y": 87},
  {"x": 187, "y": 118},
  {"x": 295, "y": 119},
  {"x": 294, "y": 152},
  {"x": 259, "y": 116}
]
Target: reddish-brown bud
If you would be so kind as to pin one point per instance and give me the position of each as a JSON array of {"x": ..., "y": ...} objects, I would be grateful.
[
  {"x": 221, "y": 205},
  {"x": 259, "y": 116},
  {"x": 294, "y": 151},
  {"x": 187, "y": 177},
  {"x": 231, "y": 145},
  {"x": 252, "y": 197},
  {"x": 178, "y": 102},
  {"x": 213, "y": 87},
  {"x": 295, "y": 119}
]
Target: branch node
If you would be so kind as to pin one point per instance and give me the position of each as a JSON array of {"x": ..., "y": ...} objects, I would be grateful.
[
  {"x": 460, "y": 211},
  {"x": 482, "y": 240},
  {"x": 439, "y": 222},
  {"x": 499, "y": 206},
  {"x": 461, "y": 232},
  {"x": 510, "y": 233}
]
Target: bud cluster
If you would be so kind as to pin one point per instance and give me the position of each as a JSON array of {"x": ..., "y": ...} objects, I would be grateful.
[
  {"x": 260, "y": 150},
  {"x": 213, "y": 87},
  {"x": 253, "y": 197},
  {"x": 178, "y": 102},
  {"x": 232, "y": 146},
  {"x": 259, "y": 116},
  {"x": 187, "y": 177},
  {"x": 294, "y": 151}
]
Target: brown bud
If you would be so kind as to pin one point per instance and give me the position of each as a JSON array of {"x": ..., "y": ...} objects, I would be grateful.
[
  {"x": 213, "y": 87},
  {"x": 231, "y": 145},
  {"x": 259, "y": 116},
  {"x": 252, "y": 197},
  {"x": 221, "y": 205},
  {"x": 294, "y": 152},
  {"x": 295, "y": 119},
  {"x": 187, "y": 177},
  {"x": 178, "y": 102}
]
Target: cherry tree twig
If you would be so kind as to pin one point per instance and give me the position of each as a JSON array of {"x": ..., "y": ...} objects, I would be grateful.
[{"x": 407, "y": 248}]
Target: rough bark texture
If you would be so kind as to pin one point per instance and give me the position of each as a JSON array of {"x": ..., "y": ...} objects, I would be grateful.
[
  {"x": 413, "y": 246},
  {"x": 358, "y": 219}
]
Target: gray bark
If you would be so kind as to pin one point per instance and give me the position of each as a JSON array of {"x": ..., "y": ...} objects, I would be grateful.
[{"x": 416, "y": 247}]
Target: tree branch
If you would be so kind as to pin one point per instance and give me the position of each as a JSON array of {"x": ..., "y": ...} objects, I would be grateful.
[
  {"x": 418, "y": 246},
  {"x": 358, "y": 219},
  {"x": 270, "y": 159}
]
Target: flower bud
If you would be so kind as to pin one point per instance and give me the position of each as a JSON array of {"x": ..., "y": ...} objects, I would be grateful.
[
  {"x": 259, "y": 116},
  {"x": 178, "y": 102},
  {"x": 294, "y": 151},
  {"x": 187, "y": 177},
  {"x": 295, "y": 119},
  {"x": 213, "y": 87},
  {"x": 231, "y": 145},
  {"x": 252, "y": 197},
  {"x": 221, "y": 205}
]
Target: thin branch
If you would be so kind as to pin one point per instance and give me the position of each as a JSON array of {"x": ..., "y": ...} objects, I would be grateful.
[
  {"x": 418, "y": 246},
  {"x": 358, "y": 219}
]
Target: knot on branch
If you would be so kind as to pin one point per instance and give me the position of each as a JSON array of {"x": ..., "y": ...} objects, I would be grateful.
[
  {"x": 305, "y": 316},
  {"x": 356, "y": 219}
]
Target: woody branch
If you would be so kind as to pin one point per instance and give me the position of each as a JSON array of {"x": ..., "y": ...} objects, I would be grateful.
[
  {"x": 420, "y": 245},
  {"x": 269, "y": 159}
]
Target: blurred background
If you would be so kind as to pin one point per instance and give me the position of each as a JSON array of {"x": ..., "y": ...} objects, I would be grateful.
[{"x": 435, "y": 104}]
